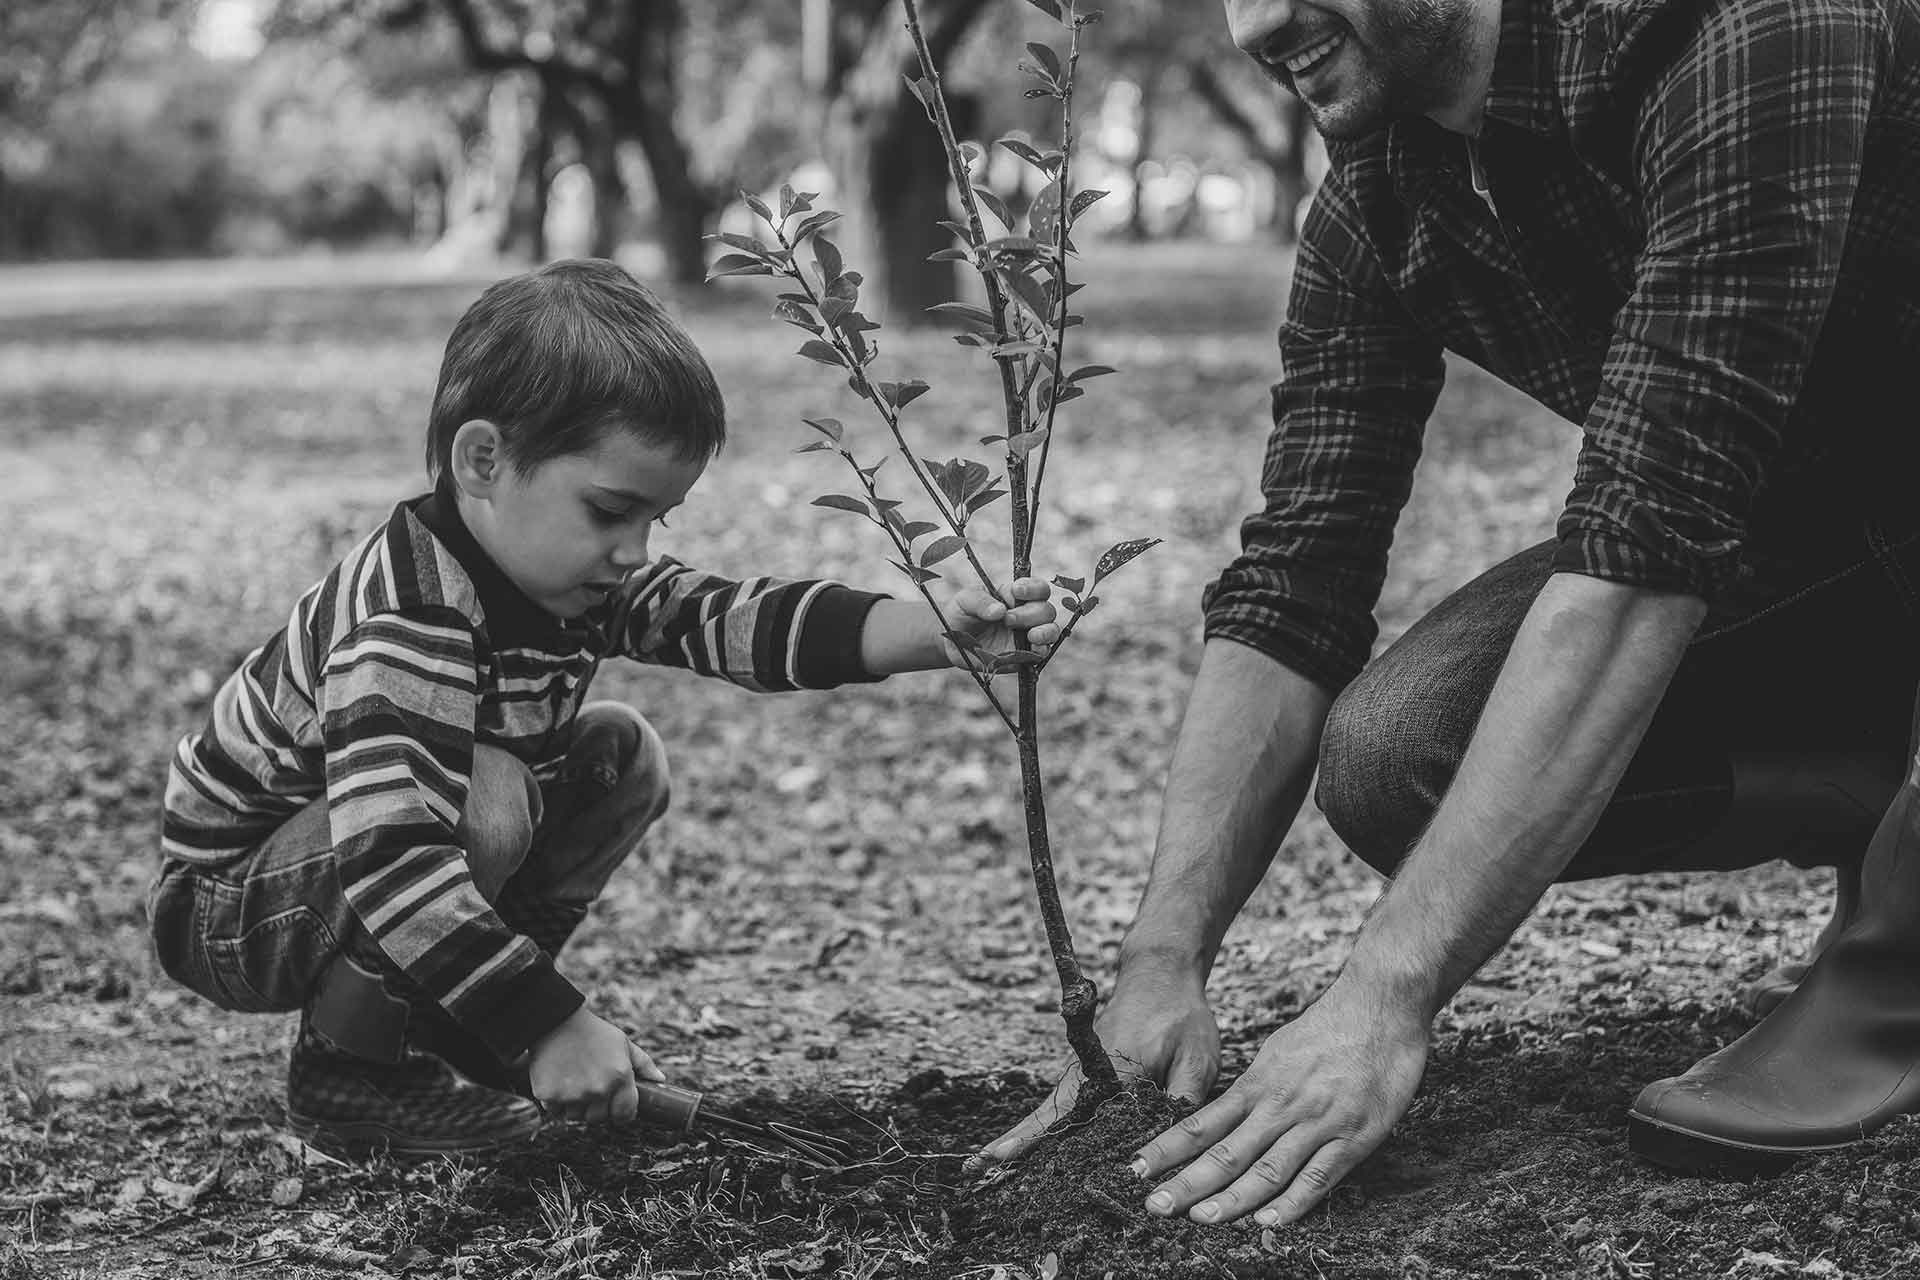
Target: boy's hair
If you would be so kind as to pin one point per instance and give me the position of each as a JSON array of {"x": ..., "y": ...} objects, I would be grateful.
[{"x": 556, "y": 357}]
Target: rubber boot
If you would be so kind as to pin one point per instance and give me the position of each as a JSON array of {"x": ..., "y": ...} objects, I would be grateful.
[
  {"x": 1839, "y": 1057},
  {"x": 355, "y": 1083},
  {"x": 1812, "y": 811}
]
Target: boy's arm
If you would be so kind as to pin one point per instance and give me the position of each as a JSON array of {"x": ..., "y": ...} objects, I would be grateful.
[
  {"x": 764, "y": 634},
  {"x": 397, "y": 700}
]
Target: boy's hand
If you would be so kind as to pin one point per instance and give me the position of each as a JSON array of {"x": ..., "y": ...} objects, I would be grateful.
[
  {"x": 584, "y": 1069},
  {"x": 994, "y": 625}
]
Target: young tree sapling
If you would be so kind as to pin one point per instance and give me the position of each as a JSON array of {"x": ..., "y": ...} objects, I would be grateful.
[{"x": 1023, "y": 330}]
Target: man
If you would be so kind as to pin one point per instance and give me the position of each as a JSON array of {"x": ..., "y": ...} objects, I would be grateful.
[{"x": 1693, "y": 228}]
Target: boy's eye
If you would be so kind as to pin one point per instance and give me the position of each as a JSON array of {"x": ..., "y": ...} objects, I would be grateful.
[{"x": 605, "y": 515}]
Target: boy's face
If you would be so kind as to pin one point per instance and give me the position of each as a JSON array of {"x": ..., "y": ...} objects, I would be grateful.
[{"x": 567, "y": 530}]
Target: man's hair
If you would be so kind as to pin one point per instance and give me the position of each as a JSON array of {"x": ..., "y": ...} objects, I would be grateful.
[{"x": 557, "y": 357}]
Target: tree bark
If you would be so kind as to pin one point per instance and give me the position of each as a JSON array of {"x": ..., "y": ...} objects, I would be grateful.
[{"x": 889, "y": 167}]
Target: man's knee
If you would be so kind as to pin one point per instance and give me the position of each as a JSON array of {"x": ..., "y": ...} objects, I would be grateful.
[
  {"x": 502, "y": 811},
  {"x": 1387, "y": 755}
]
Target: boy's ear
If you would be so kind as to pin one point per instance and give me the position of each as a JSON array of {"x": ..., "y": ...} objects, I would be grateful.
[{"x": 478, "y": 462}]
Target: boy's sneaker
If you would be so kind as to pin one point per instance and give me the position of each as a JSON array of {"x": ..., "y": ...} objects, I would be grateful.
[{"x": 415, "y": 1107}]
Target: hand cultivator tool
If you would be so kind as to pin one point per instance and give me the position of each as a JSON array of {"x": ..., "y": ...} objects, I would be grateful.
[{"x": 684, "y": 1110}]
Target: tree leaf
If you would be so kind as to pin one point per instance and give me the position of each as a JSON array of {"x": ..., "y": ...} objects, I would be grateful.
[
  {"x": 955, "y": 254},
  {"x": 1049, "y": 60},
  {"x": 841, "y": 502},
  {"x": 966, "y": 641},
  {"x": 1026, "y": 442},
  {"x": 738, "y": 264},
  {"x": 1014, "y": 658},
  {"x": 813, "y": 224},
  {"x": 1082, "y": 202},
  {"x": 966, "y": 313},
  {"x": 831, "y": 428},
  {"x": 823, "y": 352},
  {"x": 996, "y": 206},
  {"x": 758, "y": 205},
  {"x": 972, "y": 153},
  {"x": 1028, "y": 290},
  {"x": 1043, "y": 215},
  {"x": 923, "y": 90},
  {"x": 813, "y": 446},
  {"x": 826, "y": 256},
  {"x": 1069, "y": 584},
  {"x": 798, "y": 316},
  {"x": 911, "y": 391},
  {"x": 786, "y": 201},
  {"x": 979, "y": 500},
  {"x": 1049, "y": 7},
  {"x": 941, "y": 548},
  {"x": 1030, "y": 154},
  {"x": 1089, "y": 371},
  {"x": 916, "y": 528},
  {"x": 746, "y": 244},
  {"x": 1119, "y": 553},
  {"x": 915, "y": 572}
]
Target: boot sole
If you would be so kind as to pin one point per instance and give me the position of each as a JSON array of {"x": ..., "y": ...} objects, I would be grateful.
[
  {"x": 364, "y": 1138},
  {"x": 1690, "y": 1151}
]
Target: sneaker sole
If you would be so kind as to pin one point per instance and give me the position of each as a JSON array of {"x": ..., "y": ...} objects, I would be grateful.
[
  {"x": 1690, "y": 1151},
  {"x": 370, "y": 1138}
]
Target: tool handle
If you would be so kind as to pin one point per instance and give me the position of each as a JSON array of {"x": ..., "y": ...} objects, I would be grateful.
[{"x": 667, "y": 1105}]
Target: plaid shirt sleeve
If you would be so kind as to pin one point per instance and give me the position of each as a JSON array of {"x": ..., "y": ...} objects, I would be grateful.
[
  {"x": 764, "y": 634},
  {"x": 1748, "y": 153},
  {"x": 1357, "y": 382},
  {"x": 397, "y": 701}
]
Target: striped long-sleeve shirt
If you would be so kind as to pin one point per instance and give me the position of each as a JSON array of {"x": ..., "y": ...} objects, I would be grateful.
[
  {"x": 392, "y": 668},
  {"x": 1690, "y": 226}
]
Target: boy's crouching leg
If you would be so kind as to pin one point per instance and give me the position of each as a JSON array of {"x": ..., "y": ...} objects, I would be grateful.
[
  {"x": 367, "y": 1070},
  {"x": 614, "y": 786}
]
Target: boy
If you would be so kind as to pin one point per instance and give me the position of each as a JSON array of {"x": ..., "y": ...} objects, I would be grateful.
[{"x": 399, "y": 809}]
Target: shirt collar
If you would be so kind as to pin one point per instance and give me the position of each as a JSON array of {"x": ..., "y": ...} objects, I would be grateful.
[
  {"x": 1522, "y": 91},
  {"x": 513, "y": 620}
]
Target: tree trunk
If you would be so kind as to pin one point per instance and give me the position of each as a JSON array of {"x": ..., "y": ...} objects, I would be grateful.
[
  {"x": 1142, "y": 151},
  {"x": 889, "y": 168},
  {"x": 683, "y": 207}
]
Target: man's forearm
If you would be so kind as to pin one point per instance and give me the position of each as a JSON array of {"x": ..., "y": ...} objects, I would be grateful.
[
  {"x": 1587, "y": 670},
  {"x": 1240, "y": 769}
]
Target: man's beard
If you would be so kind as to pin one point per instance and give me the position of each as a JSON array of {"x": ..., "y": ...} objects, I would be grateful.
[{"x": 1412, "y": 60}]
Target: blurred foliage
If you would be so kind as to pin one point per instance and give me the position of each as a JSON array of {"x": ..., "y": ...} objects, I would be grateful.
[{"x": 371, "y": 119}]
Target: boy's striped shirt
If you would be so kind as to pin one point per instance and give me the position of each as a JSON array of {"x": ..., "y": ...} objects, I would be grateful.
[{"x": 411, "y": 651}]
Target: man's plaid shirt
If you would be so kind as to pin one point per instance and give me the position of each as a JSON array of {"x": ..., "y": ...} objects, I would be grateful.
[{"x": 1702, "y": 245}]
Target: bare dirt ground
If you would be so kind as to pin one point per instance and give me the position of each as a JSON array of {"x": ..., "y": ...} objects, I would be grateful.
[{"x": 834, "y": 925}]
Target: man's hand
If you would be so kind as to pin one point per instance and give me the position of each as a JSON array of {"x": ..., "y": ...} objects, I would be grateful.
[
  {"x": 584, "y": 1069},
  {"x": 1157, "y": 1025},
  {"x": 1322, "y": 1093},
  {"x": 995, "y": 626}
]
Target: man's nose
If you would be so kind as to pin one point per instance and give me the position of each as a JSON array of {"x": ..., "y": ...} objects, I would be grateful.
[{"x": 1252, "y": 23}]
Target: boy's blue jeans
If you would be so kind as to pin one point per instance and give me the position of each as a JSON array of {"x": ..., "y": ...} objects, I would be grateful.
[
  {"x": 1815, "y": 654},
  {"x": 260, "y": 934}
]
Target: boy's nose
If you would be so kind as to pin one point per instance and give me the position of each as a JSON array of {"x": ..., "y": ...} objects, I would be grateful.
[{"x": 631, "y": 553}]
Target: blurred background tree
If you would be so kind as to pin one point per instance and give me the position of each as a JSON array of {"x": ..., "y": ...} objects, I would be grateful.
[{"x": 520, "y": 130}]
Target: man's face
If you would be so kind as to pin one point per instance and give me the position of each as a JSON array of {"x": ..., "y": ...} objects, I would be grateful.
[
  {"x": 567, "y": 530},
  {"x": 1357, "y": 63}
]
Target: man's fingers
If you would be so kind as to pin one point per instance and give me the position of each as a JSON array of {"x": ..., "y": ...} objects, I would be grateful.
[
  {"x": 1190, "y": 1135},
  {"x": 1030, "y": 589},
  {"x": 1192, "y": 1075},
  {"x": 1311, "y": 1185},
  {"x": 1011, "y": 1144},
  {"x": 1269, "y": 1175}
]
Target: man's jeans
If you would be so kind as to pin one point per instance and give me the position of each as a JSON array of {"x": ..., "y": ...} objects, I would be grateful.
[
  {"x": 258, "y": 934},
  {"x": 1811, "y": 655}
]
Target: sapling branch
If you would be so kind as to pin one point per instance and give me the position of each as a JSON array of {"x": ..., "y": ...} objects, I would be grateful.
[
  {"x": 864, "y": 388},
  {"x": 1061, "y": 220}
]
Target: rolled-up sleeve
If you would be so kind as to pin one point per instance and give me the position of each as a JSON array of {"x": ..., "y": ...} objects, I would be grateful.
[
  {"x": 1748, "y": 153},
  {"x": 1357, "y": 384}
]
